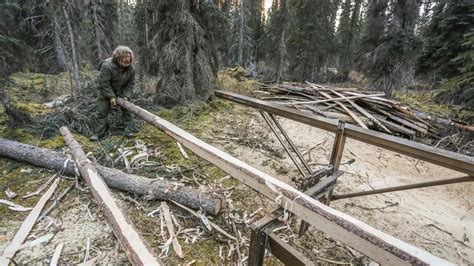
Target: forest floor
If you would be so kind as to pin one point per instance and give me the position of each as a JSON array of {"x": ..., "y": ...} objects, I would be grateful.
[{"x": 439, "y": 219}]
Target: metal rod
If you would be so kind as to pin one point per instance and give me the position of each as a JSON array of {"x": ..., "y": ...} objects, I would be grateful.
[
  {"x": 282, "y": 143},
  {"x": 451, "y": 160},
  {"x": 405, "y": 187},
  {"x": 292, "y": 145}
]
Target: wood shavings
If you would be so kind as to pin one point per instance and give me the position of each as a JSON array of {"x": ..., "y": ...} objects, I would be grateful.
[
  {"x": 10, "y": 194},
  {"x": 56, "y": 255},
  {"x": 15, "y": 207}
]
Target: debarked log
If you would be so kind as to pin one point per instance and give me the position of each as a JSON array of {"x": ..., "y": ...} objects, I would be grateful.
[
  {"x": 137, "y": 250},
  {"x": 139, "y": 185}
]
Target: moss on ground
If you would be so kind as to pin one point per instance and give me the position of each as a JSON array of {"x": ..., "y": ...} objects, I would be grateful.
[
  {"x": 234, "y": 79},
  {"x": 423, "y": 101}
]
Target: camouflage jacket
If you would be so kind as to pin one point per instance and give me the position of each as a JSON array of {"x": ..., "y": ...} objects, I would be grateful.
[{"x": 113, "y": 83}]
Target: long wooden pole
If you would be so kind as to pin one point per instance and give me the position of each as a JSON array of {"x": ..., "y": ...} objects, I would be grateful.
[
  {"x": 137, "y": 251},
  {"x": 383, "y": 248}
]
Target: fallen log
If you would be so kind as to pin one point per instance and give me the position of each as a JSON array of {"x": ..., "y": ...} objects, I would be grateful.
[
  {"x": 139, "y": 185},
  {"x": 134, "y": 246},
  {"x": 383, "y": 248}
]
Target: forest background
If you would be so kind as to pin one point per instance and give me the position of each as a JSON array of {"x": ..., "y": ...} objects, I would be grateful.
[{"x": 386, "y": 45}]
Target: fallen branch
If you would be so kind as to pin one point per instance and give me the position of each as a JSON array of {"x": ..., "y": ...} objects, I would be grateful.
[{"x": 138, "y": 185}]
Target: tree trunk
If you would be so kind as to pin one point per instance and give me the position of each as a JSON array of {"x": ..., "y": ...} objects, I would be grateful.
[
  {"x": 77, "y": 77},
  {"x": 241, "y": 34},
  {"x": 189, "y": 76},
  {"x": 139, "y": 185},
  {"x": 97, "y": 30},
  {"x": 282, "y": 55},
  {"x": 58, "y": 45}
]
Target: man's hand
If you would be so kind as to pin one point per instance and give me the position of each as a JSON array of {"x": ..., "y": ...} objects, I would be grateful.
[{"x": 113, "y": 102}]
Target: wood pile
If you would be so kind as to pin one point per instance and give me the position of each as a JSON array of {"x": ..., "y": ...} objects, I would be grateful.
[{"x": 368, "y": 109}]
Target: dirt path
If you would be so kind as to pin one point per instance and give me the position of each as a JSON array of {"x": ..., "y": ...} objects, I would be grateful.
[{"x": 438, "y": 219}]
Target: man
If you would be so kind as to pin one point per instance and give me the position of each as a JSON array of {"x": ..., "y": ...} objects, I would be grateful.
[{"x": 116, "y": 79}]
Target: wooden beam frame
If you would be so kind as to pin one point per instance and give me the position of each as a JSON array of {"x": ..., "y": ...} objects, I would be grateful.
[
  {"x": 451, "y": 160},
  {"x": 377, "y": 245}
]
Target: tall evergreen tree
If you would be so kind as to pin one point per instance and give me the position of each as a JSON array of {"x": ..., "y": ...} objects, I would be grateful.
[
  {"x": 274, "y": 41},
  {"x": 449, "y": 23},
  {"x": 104, "y": 17},
  {"x": 10, "y": 39},
  {"x": 345, "y": 34},
  {"x": 310, "y": 40},
  {"x": 187, "y": 61}
]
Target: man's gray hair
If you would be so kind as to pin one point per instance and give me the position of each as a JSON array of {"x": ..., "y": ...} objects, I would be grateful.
[{"x": 120, "y": 51}]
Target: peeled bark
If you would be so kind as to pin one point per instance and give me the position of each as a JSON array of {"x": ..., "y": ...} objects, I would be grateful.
[{"x": 139, "y": 185}]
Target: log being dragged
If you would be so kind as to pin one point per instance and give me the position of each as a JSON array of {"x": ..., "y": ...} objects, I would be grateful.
[
  {"x": 139, "y": 185},
  {"x": 138, "y": 252}
]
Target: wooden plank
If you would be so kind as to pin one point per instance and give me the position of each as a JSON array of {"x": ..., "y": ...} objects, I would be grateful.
[
  {"x": 410, "y": 114},
  {"x": 392, "y": 102},
  {"x": 169, "y": 224},
  {"x": 396, "y": 127},
  {"x": 455, "y": 161},
  {"x": 137, "y": 251},
  {"x": 364, "y": 112},
  {"x": 320, "y": 87},
  {"x": 349, "y": 112},
  {"x": 341, "y": 97},
  {"x": 402, "y": 121},
  {"x": 27, "y": 225},
  {"x": 381, "y": 247},
  {"x": 286, "y": 253}
]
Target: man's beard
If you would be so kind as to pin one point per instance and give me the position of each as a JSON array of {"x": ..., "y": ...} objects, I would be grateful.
[{"x": 124, "y": 64}]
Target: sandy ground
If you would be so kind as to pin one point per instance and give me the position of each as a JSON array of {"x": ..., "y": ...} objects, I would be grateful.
[{"x": 437, "y": 219}]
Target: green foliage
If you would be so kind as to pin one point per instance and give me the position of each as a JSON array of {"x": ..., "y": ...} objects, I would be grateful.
[
  {"x": 182, "y": 52},
  {"x": 10, "y": 41},
  {"x": 311, "y": 39},
  {"x": 443, "y": 39},
  {"x": 348, "y": 33}
]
